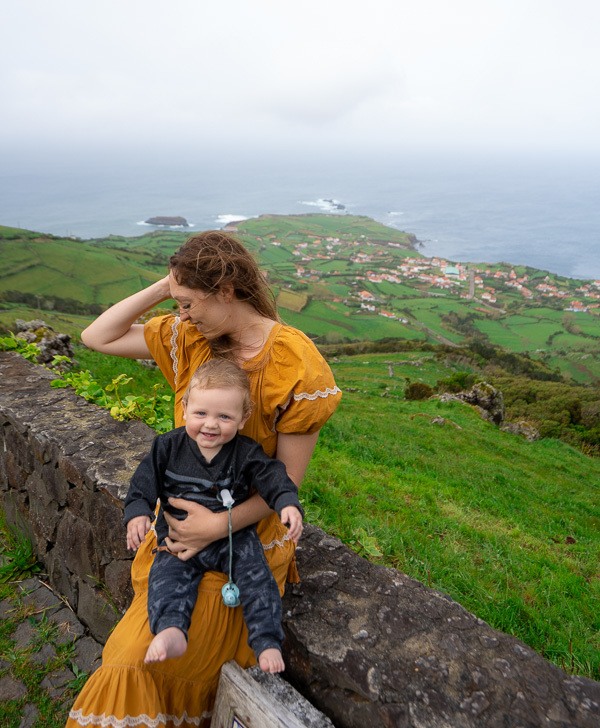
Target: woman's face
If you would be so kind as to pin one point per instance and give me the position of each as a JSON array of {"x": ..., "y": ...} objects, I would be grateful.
[{"x": 209, "y": 312}]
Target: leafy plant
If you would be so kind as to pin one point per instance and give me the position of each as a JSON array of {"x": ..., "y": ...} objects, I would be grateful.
[
  {"x": 155, "y": 410},
  {"x": 20, "y": 346},
  {"x": 365, "y": 545}
]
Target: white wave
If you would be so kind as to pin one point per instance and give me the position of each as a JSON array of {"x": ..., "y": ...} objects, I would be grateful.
[
  {"x": 226, "y": 219},
  {"x": 395, "y": 214},
  {"x": 329, "y": 205}
]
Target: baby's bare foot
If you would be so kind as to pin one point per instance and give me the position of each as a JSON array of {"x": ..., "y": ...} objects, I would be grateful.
[
  {"x": 270, "y": 660},
  {"x": 169, "y": 643}
]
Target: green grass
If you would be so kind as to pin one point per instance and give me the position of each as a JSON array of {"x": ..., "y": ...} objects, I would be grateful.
[
  {"x": 64, "y": 323},
  {"x": 17, "y": 562},
  {"x": 105, "y": 368},
  {"x": 72, "y": 269},
  {"x": 102, "y": 271},
  {"x": 342, "y": 226},
  {"x": 322, "y": 319},
  {"x": 509, "y": 529}
]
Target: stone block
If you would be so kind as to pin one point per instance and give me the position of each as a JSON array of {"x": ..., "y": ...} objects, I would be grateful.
[
  {"x": 96, "y": 611},
  {"x": 16, "y": 471},
  {"x": 30, "y": 716},
  {"x": 16, "y": 512},
  {"x": 44, "y": 656},
  {"x": 60, "y": 577},
  {"x": 55, "y": 682},
  {"x": 42, "y": 599},
  {"x": 44, "y": 447},
  {"x": 399, "y": 654},
  {"x": 43, "y": 512},
  {"x": 75, "y": 544},
  {"x": 106, "y": 517},
  {"x": 11, "y": 689},
  {"x": 69, "y": 627},
  {"x": 70, "y": 469},
  {"x": 56, "y": 483},
  {"x": 24, "y": 635},
  {"x": 79, "y": 502},
  {"x": 88, "y": 654}
]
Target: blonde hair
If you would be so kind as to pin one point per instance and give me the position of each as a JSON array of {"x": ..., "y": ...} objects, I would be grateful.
[{"x": 221, "y": 374}]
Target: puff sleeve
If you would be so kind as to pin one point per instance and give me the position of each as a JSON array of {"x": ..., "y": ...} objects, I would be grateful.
[{"x": 302, "y": 386}]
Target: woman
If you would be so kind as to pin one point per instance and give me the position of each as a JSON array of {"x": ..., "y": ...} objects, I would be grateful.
[{"x": 225, "y": 309}]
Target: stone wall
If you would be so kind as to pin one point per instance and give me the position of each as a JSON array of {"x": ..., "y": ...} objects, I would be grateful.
[
  {"x": 64, "y": 469},
  {"x": 366, "y": 644}
]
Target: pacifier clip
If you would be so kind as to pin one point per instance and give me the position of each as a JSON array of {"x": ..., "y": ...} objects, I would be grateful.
[{"x": 229, "y": 592}]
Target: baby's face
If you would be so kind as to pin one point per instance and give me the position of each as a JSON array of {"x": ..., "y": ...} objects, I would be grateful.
[{"x": 213, "y": 417}]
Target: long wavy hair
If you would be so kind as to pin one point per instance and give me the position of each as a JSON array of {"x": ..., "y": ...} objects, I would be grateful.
[{"x": 211, "y": 260}]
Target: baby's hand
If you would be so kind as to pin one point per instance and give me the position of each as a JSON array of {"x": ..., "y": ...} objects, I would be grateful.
[
  {"x": 137, "y": 529},
  {"x": 292, "y": 518}
]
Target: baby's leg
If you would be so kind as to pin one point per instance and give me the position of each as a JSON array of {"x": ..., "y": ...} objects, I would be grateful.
[
  {"x": 260, "y": 599},
  {"x": 171, "y": 642},
  {"x": 172, "y": 594}
]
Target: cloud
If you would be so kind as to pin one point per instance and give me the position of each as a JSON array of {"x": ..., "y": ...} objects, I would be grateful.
[
  {"x": 327, "y": 95},
  {"x": 268, "y": 72}
]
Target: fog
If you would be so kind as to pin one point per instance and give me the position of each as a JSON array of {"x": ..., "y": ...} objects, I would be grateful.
[{"x": 153, "y": 78}]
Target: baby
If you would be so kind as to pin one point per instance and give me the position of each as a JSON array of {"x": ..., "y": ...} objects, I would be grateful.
[{"x": 203, "y": 462}]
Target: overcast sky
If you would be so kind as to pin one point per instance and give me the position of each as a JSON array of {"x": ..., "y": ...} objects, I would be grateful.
[{"x": 338, "y": 73}]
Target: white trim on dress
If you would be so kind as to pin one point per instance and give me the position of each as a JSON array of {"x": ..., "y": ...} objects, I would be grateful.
[
  {"x": 174, "y": 357},
  {"x": 319, "y": 393},
  {"x": 111, "y": 721}
]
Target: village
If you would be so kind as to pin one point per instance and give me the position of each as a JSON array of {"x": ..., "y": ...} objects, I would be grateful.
[{"x": 481, "y": 282}]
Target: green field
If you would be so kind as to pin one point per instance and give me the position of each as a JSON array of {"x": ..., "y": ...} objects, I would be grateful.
[
  {"x": 299, "y": 226},
  {"x": 291, "y": 300},
  {"x": 105, "y": 270},
  {"x": 70, "y": 269},
  {"x": 333, "y": 322},
  {"x": 508, "y": 528}
]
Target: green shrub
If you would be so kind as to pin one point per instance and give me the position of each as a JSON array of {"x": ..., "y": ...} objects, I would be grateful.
[
  {"x": 457, "y": 382},
  {"x": 418, "y": 390}
]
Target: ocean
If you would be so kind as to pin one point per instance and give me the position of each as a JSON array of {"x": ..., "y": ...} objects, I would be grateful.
[{"x": 541, "y": 212}]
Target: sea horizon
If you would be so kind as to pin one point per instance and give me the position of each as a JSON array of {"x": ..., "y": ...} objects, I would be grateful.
[{"x": 542, "y": 213}]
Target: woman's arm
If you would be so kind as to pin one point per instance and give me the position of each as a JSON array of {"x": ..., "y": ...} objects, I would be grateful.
[
  {"x": 114, "y": 331},
  {"x": 202, "y": 527},
  {"x": 295, "y": 452}
]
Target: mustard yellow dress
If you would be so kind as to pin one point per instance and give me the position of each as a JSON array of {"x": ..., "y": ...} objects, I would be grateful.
[{"x": 294, "y": 392}]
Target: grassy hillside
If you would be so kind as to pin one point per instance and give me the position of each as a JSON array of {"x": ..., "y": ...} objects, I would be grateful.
[
  {"x": 340, "y": 278},
  {"x": 509, "y": 528},
  {"x": 51, "y": 267}
]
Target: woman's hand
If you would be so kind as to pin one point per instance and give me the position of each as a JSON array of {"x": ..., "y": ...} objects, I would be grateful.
[{"x": 201, "y": 527}]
